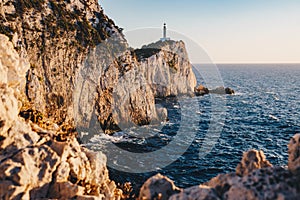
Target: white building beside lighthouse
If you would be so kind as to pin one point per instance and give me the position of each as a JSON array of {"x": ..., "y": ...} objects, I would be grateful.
[{"x": 165, "y": 38}]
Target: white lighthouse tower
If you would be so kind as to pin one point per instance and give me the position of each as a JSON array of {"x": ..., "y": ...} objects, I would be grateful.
[{"x": 165, "y": 38}]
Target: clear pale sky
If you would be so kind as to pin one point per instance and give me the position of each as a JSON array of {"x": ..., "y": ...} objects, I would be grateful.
[{"x": 231, "y": 31}]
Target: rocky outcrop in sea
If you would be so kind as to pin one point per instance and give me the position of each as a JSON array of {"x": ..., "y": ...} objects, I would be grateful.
[{"x": 201, "y": 90}]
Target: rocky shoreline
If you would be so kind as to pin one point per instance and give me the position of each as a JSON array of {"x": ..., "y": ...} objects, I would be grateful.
[
  {"x": 47, "y": 49},
  {"x": 41, "y": 164},
  {"x": 255, "y": 179}
]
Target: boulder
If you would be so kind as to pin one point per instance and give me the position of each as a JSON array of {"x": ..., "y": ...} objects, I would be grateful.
[
  {"x": 229, "y": 91},
  {"x": 251, "y": 161},
  {"x": 294, "y": 153},
  {"x": 201, "y": 90},
  {"x": 200, "y": 192},
  {"x": 223, "y": 182},
  {"x": 255, "y": 179},
  {"x": 158, "y": 187},
  {"x": 221, "y": 90},
  {"x": 265, "y": 183}
]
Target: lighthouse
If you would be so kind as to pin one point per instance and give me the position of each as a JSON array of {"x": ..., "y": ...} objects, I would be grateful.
[{"x": 165, "y": 38}]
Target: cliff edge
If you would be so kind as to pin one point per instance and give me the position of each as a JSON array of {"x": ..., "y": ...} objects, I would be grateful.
[
  {"x": 75, "y": 50},
  {"x": 36, "y": 163},
  {"x": 167, "y": 68}
]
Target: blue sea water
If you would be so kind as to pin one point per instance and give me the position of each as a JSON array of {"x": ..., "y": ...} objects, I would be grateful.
[{"x": 262, "y": 115}]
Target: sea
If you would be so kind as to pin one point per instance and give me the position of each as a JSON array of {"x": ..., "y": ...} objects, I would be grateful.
[{"x": 263, "y": 114}]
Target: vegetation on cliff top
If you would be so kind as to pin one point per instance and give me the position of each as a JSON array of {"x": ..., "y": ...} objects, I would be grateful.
[{"x": 59, "y": 21}]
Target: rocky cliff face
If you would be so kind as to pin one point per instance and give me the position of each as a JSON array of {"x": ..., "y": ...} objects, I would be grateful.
[
  {"x": 36, "y": 163},
  {"x": 167, "y": 68},
  {"x": 73, "y": 47},
  {"x": 130, "y": 83},
  {"x": 55, "y": 36}
]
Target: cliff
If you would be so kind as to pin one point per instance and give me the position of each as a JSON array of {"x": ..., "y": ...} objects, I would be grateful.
[
  {"x": 74, "y": 48},
  {"x": 167, "y": 68},
  {"x": 36, "y": 163},
  {"x": 55, "y": 37},
  {"x": 66, "y": 65},
  {"x": 127, "y": 83}
]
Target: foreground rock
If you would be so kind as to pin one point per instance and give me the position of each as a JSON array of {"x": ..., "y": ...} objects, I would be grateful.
[
  {"x": 294, "y": 154},
  {"x": 251, "y": 161},
  {"x": 36, "y": 163},
  {"x": 200, "y": 192},
  {"x": 255, "y": 179},
  {"x": 158, "y": 187}
]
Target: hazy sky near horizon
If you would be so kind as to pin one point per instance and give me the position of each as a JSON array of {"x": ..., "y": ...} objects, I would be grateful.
[{"x": 231, "y": 31}]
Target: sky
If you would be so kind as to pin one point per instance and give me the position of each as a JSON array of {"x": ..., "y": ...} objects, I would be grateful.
[{"x": 230, "y": 31}]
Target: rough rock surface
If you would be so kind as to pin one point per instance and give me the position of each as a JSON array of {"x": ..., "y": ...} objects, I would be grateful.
[
  {"x": 158, "y": 187},
  {"x": 55, "y": 37},
  {"x": 75, "y": 49},
  {"x": 200, "y": 192},
  {"x": 201, "y": 90},
  {"x": 36, "y": 163},
  {"x": 129, "y": 84},
  {"x": 167, "y": 68},
  {"x": 255, "y": 179},
  {"x": 251, "y": 161},
  {"x": 294, "y": 154},
  {"x": 221, "y": 90}
]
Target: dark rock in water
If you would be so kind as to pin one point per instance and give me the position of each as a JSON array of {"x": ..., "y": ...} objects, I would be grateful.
[
  {"x": 222, "y": 90},
  {"x": 201, "y": 90},
  {"x": 229, "y": 91}
]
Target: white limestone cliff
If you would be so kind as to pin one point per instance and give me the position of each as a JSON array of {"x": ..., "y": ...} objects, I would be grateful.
[
  {"x": 168, "y": 71},
  {"x": 36, "y": 163}
]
